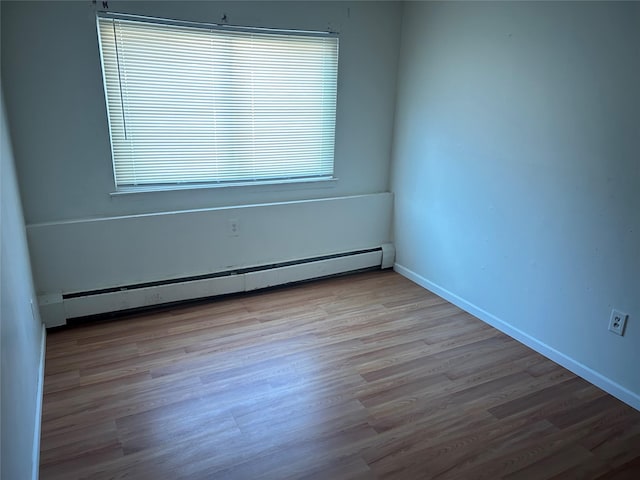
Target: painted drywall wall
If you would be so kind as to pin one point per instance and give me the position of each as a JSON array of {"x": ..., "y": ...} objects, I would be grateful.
[
  {"x": 145, "y": 248},
  {"x": 55, "y": 102},
  {"x": 516, "y": 170},
  {"x": 21, "y": 333}
]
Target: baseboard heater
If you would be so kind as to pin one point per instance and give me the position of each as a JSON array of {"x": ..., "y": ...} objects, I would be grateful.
[{"x": 57, "y": 309}]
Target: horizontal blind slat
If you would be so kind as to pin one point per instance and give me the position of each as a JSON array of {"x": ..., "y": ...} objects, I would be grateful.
[{"x": 195, "y": 105}]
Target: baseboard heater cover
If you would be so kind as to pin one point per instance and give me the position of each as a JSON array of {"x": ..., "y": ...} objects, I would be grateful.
[{"x": 57, "y": 309}]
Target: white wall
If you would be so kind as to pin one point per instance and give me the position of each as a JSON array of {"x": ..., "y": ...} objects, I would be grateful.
[
  {"x": 51, "y": 72},
  {"x": 55, "y": 101},
  {"x": 516, "y": 172},
  {"x": 21, "y": 333},
  {"x": 150, "y": 247}
]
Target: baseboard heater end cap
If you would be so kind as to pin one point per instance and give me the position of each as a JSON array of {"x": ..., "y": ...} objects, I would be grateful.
[
  {"x": 52, "y": 310},
  {"x": 388, "y": 255}
]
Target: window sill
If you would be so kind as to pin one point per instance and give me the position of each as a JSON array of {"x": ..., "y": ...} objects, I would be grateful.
[{"x": 288, "y": 184}]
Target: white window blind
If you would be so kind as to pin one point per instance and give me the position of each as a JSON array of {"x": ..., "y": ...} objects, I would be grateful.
[{"x": 194, "y": 104}]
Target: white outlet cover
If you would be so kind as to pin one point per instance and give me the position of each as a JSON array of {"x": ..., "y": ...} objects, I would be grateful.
[
  {"x": 233, "y": 227},
  {"x": 617, "y": 322}
]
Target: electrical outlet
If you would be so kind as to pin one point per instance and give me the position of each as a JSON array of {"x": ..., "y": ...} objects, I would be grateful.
[
  {"x": 617, "y": 322},
  {"x": 234, "y": 227}
]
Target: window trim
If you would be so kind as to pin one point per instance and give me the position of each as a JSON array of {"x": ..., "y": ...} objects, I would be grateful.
[{"x": 289, "y": 184}]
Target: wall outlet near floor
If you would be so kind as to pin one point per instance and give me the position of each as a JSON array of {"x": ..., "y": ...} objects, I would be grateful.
[{"x": 617, "y": 322}]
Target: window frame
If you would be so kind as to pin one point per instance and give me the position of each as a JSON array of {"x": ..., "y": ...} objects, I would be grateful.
[{"x": 287, "y": 181}]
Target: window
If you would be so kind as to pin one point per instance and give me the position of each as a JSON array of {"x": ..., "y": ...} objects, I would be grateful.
[{"x": 193, "y": 104}]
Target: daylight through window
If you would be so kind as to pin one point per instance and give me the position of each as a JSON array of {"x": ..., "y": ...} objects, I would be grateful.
[{"x": 192, "y": 104}]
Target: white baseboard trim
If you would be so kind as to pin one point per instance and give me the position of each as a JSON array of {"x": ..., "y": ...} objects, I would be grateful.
[
  {"x": 35, "y": 456},
  {"x": 599, "y": 380}
]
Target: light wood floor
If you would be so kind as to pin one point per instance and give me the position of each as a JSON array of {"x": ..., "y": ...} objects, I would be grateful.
[{"x": 364, "y": 376}]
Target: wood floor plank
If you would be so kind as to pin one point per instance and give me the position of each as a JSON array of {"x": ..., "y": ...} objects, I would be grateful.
[{"x": 366, "y": 376}]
